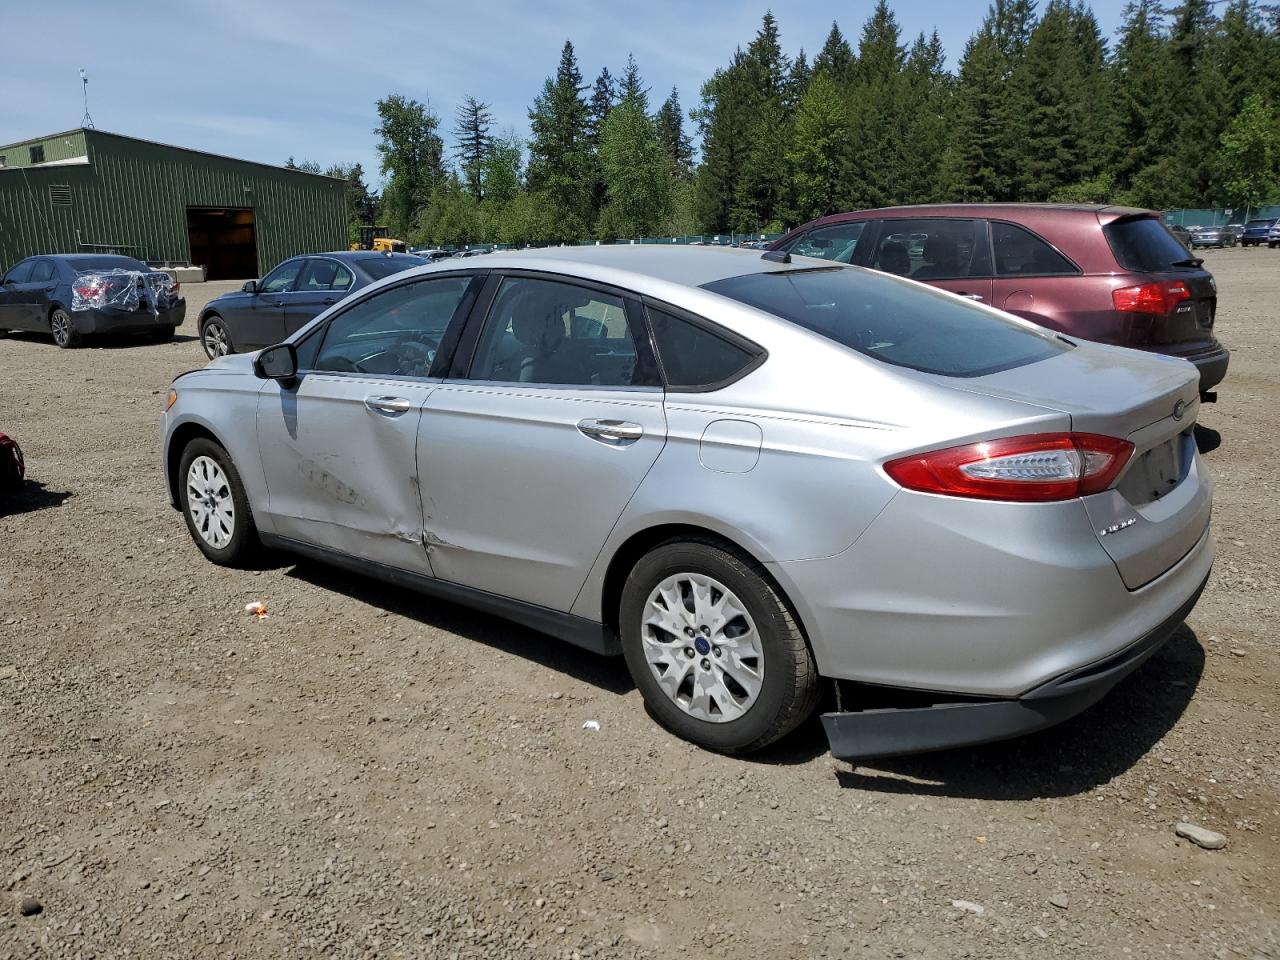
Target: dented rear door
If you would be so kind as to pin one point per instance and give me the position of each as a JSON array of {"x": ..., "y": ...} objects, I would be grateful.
[{"x": 338, "y": 452}]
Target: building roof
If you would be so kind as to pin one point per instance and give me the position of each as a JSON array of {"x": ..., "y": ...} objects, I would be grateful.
[{"x": 92, "y": 131}]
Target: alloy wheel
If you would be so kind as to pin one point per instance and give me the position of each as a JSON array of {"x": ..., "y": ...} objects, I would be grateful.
[
  {"x": 215, "y": 340},
  {"x": 703, "y": 647},
  {"x": 60, "y": 326},
  {"x": 209, "y": 502}
]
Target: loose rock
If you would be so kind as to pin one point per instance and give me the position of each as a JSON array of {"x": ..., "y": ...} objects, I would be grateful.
[
  {"x": 30, "y": 907},
  {"x": 1060, "y": 900},
  {"x": 1201, "y": 837}
]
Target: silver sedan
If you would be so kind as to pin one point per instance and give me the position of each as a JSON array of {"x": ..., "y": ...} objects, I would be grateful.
[{"x": 762, "y": 480}]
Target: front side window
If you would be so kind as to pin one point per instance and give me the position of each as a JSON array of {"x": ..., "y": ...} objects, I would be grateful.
[
  {"x": 395, "y": 331},
  {"x": 42, "y": 272},
  {"x": 933, "y": 249},
  {"x": 21, "y": 273},
  {"x": 835, "y": 243},
  {"x": 281, "y": 279},
  {"x": 898, "y": 323},
  {"x": 694, "y": 357},
  {"x": 544, "y": 331},
  {"x": 1020, "y": 253}
]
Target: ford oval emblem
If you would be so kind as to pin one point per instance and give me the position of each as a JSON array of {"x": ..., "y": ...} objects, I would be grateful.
[{"x": 1179, "y": 409}]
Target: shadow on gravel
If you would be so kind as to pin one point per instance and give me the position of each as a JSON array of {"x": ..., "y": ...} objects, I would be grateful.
[
  {"x": 1207, "y": 439},
  {"x": 607, "y": 673},
  {"x": 1071, "y": 758},
  {"x": 33, "y": 496},
  {"x": 117, "y": 341}
]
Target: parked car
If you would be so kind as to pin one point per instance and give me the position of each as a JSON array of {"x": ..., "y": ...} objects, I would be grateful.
[
  {"x": 1219, "y": 236},
  {"x": 1256, "y": 232},
  {"x": 13, "y": 468},
  {"x": 70, "y": 296},
  {"x": 1273, "y": 235},
  {"x": 1111, "y": 274},
  {"x": 268, "y": 310},
  {"x": 1183, "y": 234},
  {"x": 746, "y": 473},
  {"x": 1237, "y": 229}
]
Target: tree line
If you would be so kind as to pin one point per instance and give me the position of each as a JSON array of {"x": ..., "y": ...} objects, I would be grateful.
[{"x": 1183, "y": 109}]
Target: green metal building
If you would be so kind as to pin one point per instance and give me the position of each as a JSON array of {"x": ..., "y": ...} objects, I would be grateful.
[{"x": 87, "y": 191}]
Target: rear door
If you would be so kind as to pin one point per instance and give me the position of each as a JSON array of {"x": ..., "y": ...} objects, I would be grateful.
[
  {"x": 323, "y": 283},
  {"x": 950, "y": 253},
  {"x": 528, "y": 459},
  {"x": 1029, "y": 276}
]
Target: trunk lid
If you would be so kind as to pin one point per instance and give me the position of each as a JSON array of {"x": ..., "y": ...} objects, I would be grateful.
[{"x": 1158, "y": 509}]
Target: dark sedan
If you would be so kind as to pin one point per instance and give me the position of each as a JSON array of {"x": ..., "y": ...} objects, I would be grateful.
[
  {"x": 266, "y": 311},
  {"x": 69, "y": 296}
]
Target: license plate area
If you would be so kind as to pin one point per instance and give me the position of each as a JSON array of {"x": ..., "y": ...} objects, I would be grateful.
[{"x": 1156, "y": 472}]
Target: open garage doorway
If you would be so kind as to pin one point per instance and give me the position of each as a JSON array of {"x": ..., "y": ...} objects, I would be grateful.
[{"x": 222, "y": 241}]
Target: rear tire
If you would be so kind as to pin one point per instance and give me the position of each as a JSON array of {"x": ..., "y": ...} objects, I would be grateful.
[
  {"x": 62, "y": 329},
  {"x": 215, "y": 339},
  {"x": 738, "y": 675},
  {"x": 215, "y": 505}
]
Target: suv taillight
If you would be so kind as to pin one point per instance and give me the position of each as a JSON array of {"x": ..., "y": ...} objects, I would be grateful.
[
  {"x": 1033, "y": 469},
  {"x": 1160, "y": 297}
]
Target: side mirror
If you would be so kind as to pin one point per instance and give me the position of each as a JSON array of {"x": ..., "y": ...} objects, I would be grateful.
[
  {"x": 277, "y": 363},
  {"x": 250, "y": 286}
]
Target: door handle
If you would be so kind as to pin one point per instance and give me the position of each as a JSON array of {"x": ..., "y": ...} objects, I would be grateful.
[
  {"x": 972, "y": 296},
  {"x": 393, "y": 406},
  {"x": 616, "y": 433},
  {"x": 277, "y": 303},
  {"x": 328, "y": 301}
]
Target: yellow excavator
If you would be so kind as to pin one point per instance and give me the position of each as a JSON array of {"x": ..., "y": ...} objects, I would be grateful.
[{"x": 379, "y": 239}]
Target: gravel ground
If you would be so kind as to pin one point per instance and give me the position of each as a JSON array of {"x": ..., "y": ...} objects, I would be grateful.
[{"x": 367, "y": 773}]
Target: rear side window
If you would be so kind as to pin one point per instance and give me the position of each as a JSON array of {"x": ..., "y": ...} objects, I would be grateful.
[
  {"x": 902, "y": 324},
  {"x": 1145, "y": 245},
  {"x": 933, "y": 249},
  {"x": 42, "y": 271},
  {"x": 380, "y": 267},
  {"x": 693, "y": 357},
  {"x": 1020, "y": 253}
]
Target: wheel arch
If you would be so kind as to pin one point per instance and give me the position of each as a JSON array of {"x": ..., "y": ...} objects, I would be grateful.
[
  {"x": 638, "y": 544},
  {"x": 182, "y": 435}
]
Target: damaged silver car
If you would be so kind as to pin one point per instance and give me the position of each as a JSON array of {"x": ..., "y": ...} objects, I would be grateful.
[{"x": 757, "y": 478}]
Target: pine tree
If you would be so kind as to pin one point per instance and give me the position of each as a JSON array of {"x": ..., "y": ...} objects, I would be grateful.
[
  {"x": 797, "y": 82},
  {"x": 559, "y": 154},
  {"x": 1136, "y": 73},
  {"x": 927, "y": 94},
  {"x": 669, "y": 124},
  {"x": 631, "y": 88},
  {"x": 836, "y": 57},
  {"x": 877, "y": 115},
  {"x": 472, "y": 123},
  {"x": 724, "y": 119},
  {"x": 759, "y": 194},
  {"x": 603, "y": 98},
  {"x": 971, "y": 167},
  {"x": 412, "y": 159}
]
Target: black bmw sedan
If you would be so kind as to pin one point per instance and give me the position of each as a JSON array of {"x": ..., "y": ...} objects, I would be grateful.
[
  {"x": 70, "y": 296},
  {"x": 266, "y": 311}
]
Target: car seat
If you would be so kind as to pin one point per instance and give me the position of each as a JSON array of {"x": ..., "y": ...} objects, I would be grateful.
[{"x": 894, "y": 258}]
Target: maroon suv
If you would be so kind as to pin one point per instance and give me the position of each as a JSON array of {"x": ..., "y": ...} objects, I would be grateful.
[{"x": 1112, "y": 274}]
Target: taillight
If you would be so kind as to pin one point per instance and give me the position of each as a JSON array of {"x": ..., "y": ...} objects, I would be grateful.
[
  {"x": 1159, "y": 297},
  {"x": 1031, "y": 469},
  {"x": 90, "y": 293}
]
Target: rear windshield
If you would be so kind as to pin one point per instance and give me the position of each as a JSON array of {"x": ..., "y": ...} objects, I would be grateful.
[
  {"x": 905, "y": 324},
  {"x": 379, "y": 267},
  {"x": 1146, "y": 245},
  {"x": 87, "y": 264},
  {"x": 1260, "y": 223}
]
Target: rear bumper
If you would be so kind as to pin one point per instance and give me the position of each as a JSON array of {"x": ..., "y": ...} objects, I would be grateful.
[
  {"x": 136, "y": 321},
  {"x": 880, "y": 733},
  {"x": 1212, "y": 367}
]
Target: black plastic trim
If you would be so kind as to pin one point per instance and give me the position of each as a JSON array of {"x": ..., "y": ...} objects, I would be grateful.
[
  {"x": 886, "y": 733},
  {"x": 579, "y": 631}
]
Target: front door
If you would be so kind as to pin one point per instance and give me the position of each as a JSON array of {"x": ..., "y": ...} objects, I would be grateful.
[
  {"x": 324, "y": 282},
  {"x": 338, "y": 447},
  {"x": 13, "y": 315},
  {"x": 527, "y": 463},
  {"x": 260, "y": 321}
]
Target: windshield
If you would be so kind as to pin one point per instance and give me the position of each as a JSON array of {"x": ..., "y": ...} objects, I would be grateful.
[
  {"x": 905, "y": 324},
  {"x": 379, "y": 267},
  {"x": 1144, "y": 244},
  {"x": 1261, "y": 223}
]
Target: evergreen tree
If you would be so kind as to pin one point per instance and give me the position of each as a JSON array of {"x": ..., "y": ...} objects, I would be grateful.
[
  {"x": 972, "y": 164},
  {"x": 877, "y": 115},
  {"x": 472, "y": 124},
  {"x": 1137, "y": 71},
  {"x": 603, "y": 98},
  {"x": 631, "y": 88},
  {"x": 412, "y": 159},
  {"x": 724, "y": 120},
  {"x": 797, "y": 82},
  {"x": 816, "y": 157},
  {"x": 761, "y": 189},
  {"x": 927, "y": 95},
  {"x": 669, "y": 124},
  {"x": 836, "y": 57},
  {"x": 560, "y": 164}
]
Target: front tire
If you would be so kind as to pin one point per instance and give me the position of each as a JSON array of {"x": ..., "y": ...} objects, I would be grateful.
[
  {"x": 215, "y": 505},
  {"x": 215, "y": 339},
  {"x": 62, "y": 329},
  {"x": 714, "y": 648}
]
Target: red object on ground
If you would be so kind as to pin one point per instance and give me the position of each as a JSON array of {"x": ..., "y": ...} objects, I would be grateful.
[{"x": 12, "y": 467}]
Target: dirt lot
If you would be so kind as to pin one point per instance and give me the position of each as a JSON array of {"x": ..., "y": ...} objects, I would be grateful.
[{"x": 365, "y": 773}]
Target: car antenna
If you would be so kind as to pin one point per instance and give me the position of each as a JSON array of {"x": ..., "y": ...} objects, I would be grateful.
[{"x": 776, "y": 256}]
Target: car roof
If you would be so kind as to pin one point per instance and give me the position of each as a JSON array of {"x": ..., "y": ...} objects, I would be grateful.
[
  {"x": 80, "y": 259},
  {"x": 1104, "y": 212},
  {"x": 675, "y": 263}
]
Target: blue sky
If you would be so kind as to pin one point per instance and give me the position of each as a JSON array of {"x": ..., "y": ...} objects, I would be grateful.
[{"x": 266, "y": 79}]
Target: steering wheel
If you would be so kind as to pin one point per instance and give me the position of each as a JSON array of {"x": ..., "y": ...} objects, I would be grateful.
[{"x": 414, "y": 353}]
